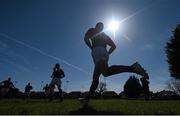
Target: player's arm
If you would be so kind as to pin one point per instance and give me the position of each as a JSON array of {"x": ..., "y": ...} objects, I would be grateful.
[
  {"x": 52, "y": 75},
  {"x": 62, "y": 73},
  {"x": 1, "y": 82},
  {"x": 12, "y": 85},
  {"x": 87, "y": 39},
  {"x": 111, "y": 44}
]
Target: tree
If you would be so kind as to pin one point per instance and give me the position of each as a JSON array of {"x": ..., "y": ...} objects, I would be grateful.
[
  {"x": 101, "y": 88},
  {"x": 132, "y": 87},
  {"x": 174, "y": 85},
  {"x": 172, "y": 51}
]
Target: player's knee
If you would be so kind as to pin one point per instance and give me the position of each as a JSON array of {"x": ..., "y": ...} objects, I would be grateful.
[
  {"x": 95, "y": 82},
  {"x": 94, "y": 85},
  {"x": 105, "y": 74},
  {"x": 59, "y": 88}
]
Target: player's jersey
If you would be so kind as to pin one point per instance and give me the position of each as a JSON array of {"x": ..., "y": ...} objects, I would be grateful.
[
  {"x": 58, "y": 73},
  {"x": 97, "y": 39},
  {"x": 7, "y": 84},
  {"x": 28, "y": 88},
  {"x": 46, "y": 88}
]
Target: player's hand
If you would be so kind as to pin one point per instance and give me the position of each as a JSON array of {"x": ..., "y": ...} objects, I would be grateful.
[{"x": 62, "y": 76}]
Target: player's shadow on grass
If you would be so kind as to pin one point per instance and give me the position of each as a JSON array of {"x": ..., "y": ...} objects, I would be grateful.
[{"x": 90, "y": 111}]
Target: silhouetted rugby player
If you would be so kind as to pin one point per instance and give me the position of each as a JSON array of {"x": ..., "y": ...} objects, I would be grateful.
[
  {"x": 56, "y": 76},
  {"x": 46, "y": 90},
  {"x": 8, "y": 83},
  {"x": 145, "y": 87},
  {"x": 7, "y": 87},
  {"x": 98, "y": 41},
  {"x": 28, "y": 89}
]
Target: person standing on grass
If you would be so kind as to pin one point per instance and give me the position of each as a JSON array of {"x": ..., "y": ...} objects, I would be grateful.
[
  {"x": 46, "y": 90},
  {"x": 98, "y": 41},
  {"x": 7, "y": 88},
  {"x": 28, "y": 89},
  {"x": 145, "y": 87},
  {"x": 56, "y": 76}
]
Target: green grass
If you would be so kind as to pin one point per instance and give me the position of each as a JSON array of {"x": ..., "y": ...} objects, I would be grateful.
[{"x": 110, "y": 106}]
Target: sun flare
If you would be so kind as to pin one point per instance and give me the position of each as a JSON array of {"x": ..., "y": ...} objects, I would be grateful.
[{"x": 113, "y": 25}]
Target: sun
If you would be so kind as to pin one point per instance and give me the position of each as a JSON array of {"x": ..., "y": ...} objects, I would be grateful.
[{"x": 113, "y": 25}]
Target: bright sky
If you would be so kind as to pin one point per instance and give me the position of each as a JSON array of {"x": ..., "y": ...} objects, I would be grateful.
[{"x": 36, "y": 34}]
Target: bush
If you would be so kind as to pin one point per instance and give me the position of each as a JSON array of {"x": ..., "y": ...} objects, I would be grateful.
[{"x": 132, "y": 87}]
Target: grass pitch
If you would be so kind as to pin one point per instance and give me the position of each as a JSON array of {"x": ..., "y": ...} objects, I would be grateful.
[{"x": 99, "y": 106}]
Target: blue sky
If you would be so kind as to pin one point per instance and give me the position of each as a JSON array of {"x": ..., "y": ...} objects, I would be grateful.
[{"x": 36, "y": 34}]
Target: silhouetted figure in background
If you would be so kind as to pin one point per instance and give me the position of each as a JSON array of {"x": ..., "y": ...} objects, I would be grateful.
[
  {"x": 7, "y": 88},
  {"x": 145, "y": 87},
  {"x": 46, "y": 90},
  {"x": 56, "y": 76},
  {"x": 28, "y": 89},
  {"x": 132, "y": 87},
  {"x": 98, "y": 41}
]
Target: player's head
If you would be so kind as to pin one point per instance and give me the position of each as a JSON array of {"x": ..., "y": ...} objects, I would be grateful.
[
  {"x": 29, "y": 83},
  {"x": 9, "y": 79},
  {"x": 57, "y": 65},
  {"x": 99, "y": 26}
]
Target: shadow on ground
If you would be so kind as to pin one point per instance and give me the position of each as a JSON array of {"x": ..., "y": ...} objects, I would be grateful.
[{"x": 90, "y": 111}]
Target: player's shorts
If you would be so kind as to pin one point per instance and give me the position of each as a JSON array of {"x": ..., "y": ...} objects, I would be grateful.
[
  {"x": 4, "y": 91},
  {"x": 99, "y": 53},
  {"x": 55, "y": 81}
]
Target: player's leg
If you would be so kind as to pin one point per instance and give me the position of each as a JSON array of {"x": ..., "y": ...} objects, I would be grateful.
[
  {"x": 27, "y": 96},
  {"x": 4, "y": 92},
  {"x": 138, "y": 69},
  {"x": 46, "y": 93},
  {"x": 59, "y": 88},
  {"x": 95, "y": 82},
  {"x": 51, "y": 88},
  {"x": 116, "y": 69},
  {"x": 145, "y": 86},
  {"x": 8, "y": 93}
]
